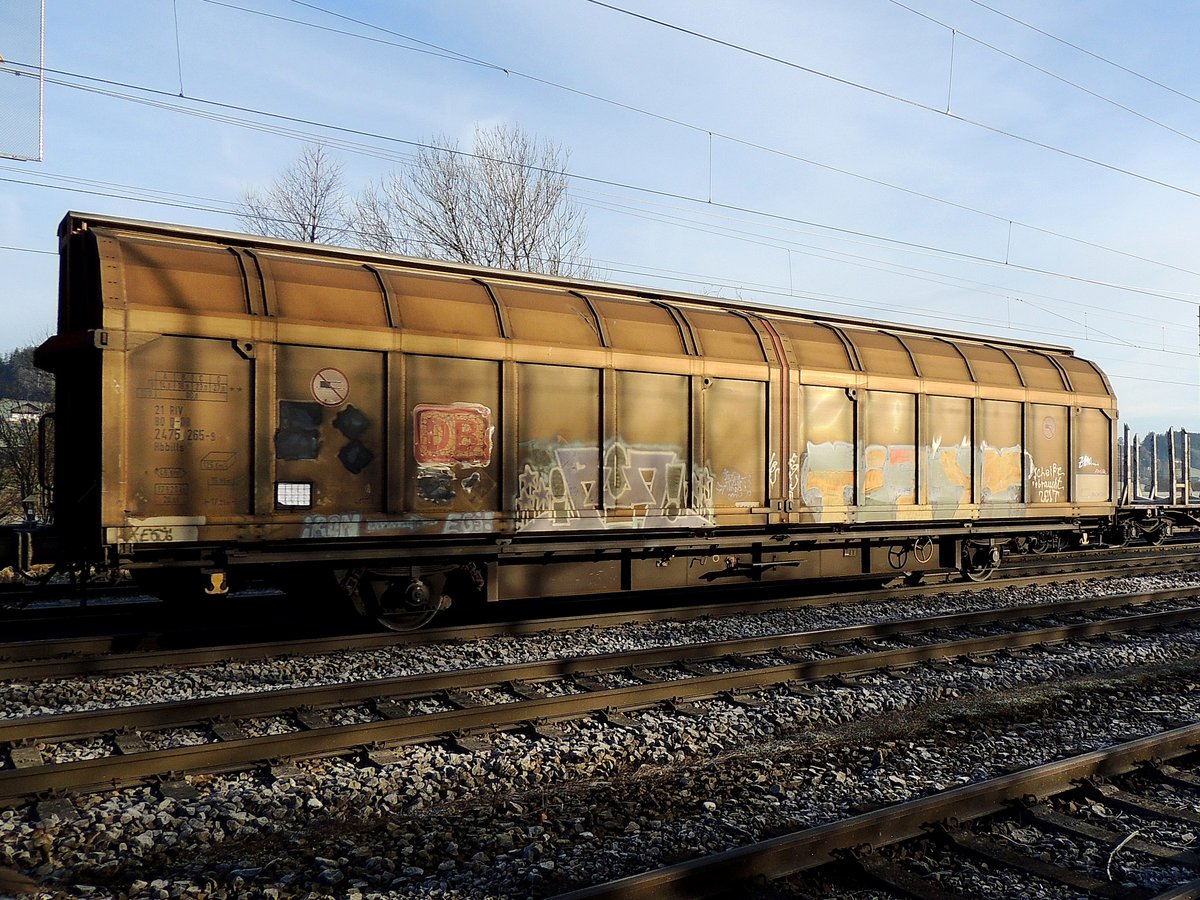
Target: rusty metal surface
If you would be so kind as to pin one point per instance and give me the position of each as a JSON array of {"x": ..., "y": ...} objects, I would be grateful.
[
  {"x": 722, "y": 874},
  {"x": 262, "y": 702},
  {"x": 98, "y": 773},
  {"x": 129, "y": 652},
  {"x": 285, "y": 392}
]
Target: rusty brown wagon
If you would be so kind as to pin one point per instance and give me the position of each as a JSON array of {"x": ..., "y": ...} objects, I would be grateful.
[{"x": 415, "y": 430}]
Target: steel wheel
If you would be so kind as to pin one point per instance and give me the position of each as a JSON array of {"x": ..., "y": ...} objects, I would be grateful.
[
  {"x": 979, "y": 563},
  {"x": 397, "y": 602},
  {"x": 982, "y": 573}
]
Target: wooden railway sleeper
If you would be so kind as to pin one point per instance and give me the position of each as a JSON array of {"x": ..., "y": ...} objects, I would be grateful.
[
  {"x": 589, "y": 683},
  {"x": 526, "y": 690},
  {"x": 56, "y": 806},
  {"x": 173, "y": 787},
  {"x": 1015, "y": 653},
  {"x": 873, "y": 646},
  {"x": 546, "y": 730},
  {"x": 390, "y": 709},
  {"x": 1055, "y": 649},
  {"x": 472, "y": 741},
  {"x": 981, "y": 661},
  {"x": 843, "y": 649},
  {"x": 685, "y": 708},
  {"x": 796, "y": 689},
  {"x": 1045, "y": 816},
  {"x": 1171, "y": 775},
  {"x": 743, "y": 699},
  {"x": 461, "y": 699},
  {"x": 988, "y": 849},
  {"x": 894, "y": 877},
  {"x": 25, "y": 757},
  {"x": 747, "y": 662},
  {"x": 381, "y": 757},
  {"x": 1143, "y": 806},
  {"x": 796, "y": 655},
  {"x": 284, "y": 770},
  {"x": 846, "y": 681},
  {"x": 618, "y": 719}
]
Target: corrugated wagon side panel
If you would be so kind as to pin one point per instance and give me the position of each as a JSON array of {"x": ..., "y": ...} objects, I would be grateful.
[
  {"x": 561, "y": 482},
  {"x": 1000, "y": 458},
  {"x": 1095, "y": 456},
  {"x": 1047, "y": 444},
  {"x": 949, "y": 454},
  {"x": 329, "y": 436},
  {"x": 735, "y": 447},
  {"x": 185, "y": 405},
  {"x": 451, "y": 436}
]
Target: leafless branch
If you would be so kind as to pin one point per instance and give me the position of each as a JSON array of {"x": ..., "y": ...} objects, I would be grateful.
[
  {"x": 307, "y": 202},
  {"x": 505, "y": 205}
]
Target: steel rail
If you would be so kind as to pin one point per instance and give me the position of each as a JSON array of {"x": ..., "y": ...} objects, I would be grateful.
[
  {"x": 259, "y": 703},
  {"x": 73, "y": 725},
  {"x": 109, "y": 772},
  {"x": 723, "y": 873},
  {"x": 26, "y": 660}
]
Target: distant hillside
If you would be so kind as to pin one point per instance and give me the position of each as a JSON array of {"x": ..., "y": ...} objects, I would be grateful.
[{"x": 21, "y": 380}]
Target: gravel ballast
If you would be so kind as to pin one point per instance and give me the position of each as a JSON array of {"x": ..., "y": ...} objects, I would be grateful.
[{"x": 528, "y": 816}]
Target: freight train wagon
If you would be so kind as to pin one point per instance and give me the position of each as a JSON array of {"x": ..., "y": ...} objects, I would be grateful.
[{"x": 414, "y": 430}]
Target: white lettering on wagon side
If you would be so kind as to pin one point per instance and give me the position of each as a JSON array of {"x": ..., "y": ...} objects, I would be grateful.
[
  {"x": 346, "y": 525},
  {"x": 163, "y": 530}
]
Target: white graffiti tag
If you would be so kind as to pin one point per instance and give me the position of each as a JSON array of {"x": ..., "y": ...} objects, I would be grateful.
[
  {"x": 323, "y": 527},
  {"x": 634, "y": 487},
  {"x": 1048, "y": 483}
]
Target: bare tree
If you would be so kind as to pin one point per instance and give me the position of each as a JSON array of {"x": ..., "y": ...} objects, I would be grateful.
[
  {"x": 18, "y": 466},
  {"x": 26, "y": 392},
  {"x": 504, "y": 204},
  {"x": 305, "y": 203}
]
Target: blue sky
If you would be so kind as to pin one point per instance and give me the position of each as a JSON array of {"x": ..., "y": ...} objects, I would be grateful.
[{"x": 815, "y": 154}]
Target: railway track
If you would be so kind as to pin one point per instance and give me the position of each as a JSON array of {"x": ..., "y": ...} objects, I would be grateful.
[
  {"x": 875, "y": 849},
  {"x": 136, "y": 650},
  {"x": 156, "y": 743}
]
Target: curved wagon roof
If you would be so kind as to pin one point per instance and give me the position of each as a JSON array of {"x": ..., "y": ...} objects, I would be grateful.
[{"x": 146, "y": 268}]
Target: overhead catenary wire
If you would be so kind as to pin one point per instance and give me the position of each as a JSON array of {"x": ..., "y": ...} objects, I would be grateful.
[
  {"x": 1086, "y": 52},
  {"x": 684, "y": 278},
  {"x": 957, "y": 32},
  {"x": 178, "y": 200},
  {"x": 789, "y": 243},
  {"x": 366, "y": 148},
  {"x": 837, "y": 301},
  {"x": 873, "y": 306},
  {"x": 590, "y": 179},
  {"x": 898, "y": 98},
  {"x": 13, "y": 249},
  {"x": 939, "y": 250},
  {"x": 464, "y": 57},
  {"x": 700, "y": 129},
  {"x": 826, "y": 298}
]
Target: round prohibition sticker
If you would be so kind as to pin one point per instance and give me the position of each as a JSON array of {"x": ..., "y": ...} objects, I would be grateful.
[{"x": 330, "y": 386}]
